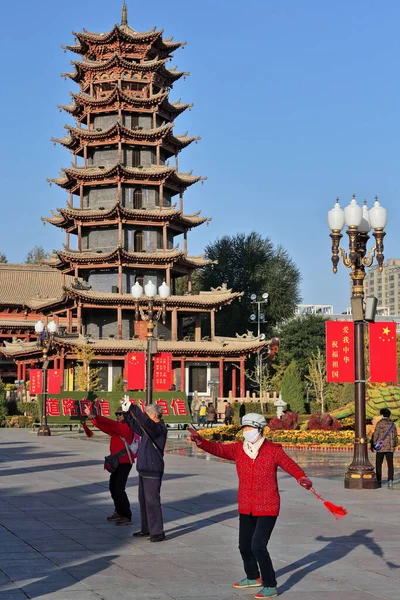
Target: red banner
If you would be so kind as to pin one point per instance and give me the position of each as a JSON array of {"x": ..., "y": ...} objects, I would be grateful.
[
  {"x": 162, "y": 371},
  {"x": 340, "y": 351},
  {"x": 382, "y": 352},
  {"x": 36, "y": 381},
  {"x": 53, "y": 381},
  {"x": 135, "y": 369}
]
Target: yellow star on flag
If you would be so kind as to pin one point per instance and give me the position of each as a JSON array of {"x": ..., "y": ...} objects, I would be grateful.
[
  {"x": 386, "y": 330},
  {"x": 133, "y": 358}
]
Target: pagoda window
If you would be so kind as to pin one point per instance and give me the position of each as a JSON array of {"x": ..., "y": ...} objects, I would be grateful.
[
  {"x": 140, "y": 280},
  {"x": 135, "y": 121},
  {"x": 137, "y": 199},
  {"x": 135, "y": 157},
  {"x": 138, "y": 240}
]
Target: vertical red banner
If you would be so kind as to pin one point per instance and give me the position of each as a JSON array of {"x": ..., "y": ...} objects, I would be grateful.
[
  {"x": 54, "y": 381},
  {"x": 162, "y": 371},
  {"x": 340, "y": 351},
  {"x": 382, "y": 353},
  {"x": 135, "y": 370},
  {"x": 35, "y": 381}
]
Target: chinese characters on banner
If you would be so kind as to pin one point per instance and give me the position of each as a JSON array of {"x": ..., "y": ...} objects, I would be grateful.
[
  {"x": 162, "y": 371},
  {"x": 36, "y": 381},
  {"x": 135, "y": 367},
  {"x": 70, "y": 407},
  {"x": 54, "y": 381},
  {"x": 382, "y": 353},
  {"x": 340, "y": 351}
]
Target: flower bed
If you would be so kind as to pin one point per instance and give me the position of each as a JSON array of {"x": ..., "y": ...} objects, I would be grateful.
[{"x": 316, "y": 439}]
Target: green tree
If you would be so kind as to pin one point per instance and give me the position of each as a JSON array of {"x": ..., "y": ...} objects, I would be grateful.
[
  {"x": 293, "y": 389},
  {"x": 300, "y": 339},
  {"x": 317, "y": 376},
  {"x": 251, "y": 264},
  {"x": 3, "y": 258},
  {"x": 86, "y": 377},
  {"x": 3, "y": 404},
  {"x": 181, "y": 284},
  {"x": 118, "y": 383},
  {"x": 36, "y": 256}
]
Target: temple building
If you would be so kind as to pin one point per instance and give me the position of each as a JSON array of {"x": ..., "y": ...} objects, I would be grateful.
[{"x": 124, "y": 221}]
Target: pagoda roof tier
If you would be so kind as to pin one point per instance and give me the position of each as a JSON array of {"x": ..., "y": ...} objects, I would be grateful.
[
  {"x": 112, "y": 173},
  {"x": 117, "y": 98},
  {"x": 119, "y": 255},
  {"x": 218, "y": 347},
  {"x": 119, "y": 133},
  {"x": 67, "y": 217},
  {"x": 213, "y": 299},
  {"x": 31, "y": 285},
  {"x": 117, "y": 63}
]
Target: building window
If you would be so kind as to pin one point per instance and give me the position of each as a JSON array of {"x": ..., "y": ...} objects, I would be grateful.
[
  {"x": 139, "y": 280},
  {"x": 135, "y": 157},
  {"x": 137, "y": 199},
  {"x": 197, "y": 379},
  {"x": 138, "y": 240}
]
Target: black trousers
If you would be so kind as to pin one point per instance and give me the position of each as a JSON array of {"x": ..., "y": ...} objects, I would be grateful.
[
  {"x": 150, "y": 505},
  {"x": 379, "y": 462},
  {"x": 117, "y": 486},
  {"x": 254, "y": 534},
  {"x": 228, "y": 420}
]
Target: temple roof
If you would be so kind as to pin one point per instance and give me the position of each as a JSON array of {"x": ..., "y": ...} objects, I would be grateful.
[
  {"x": 66, "y": 217},
  {"x": 79, "y": 137},
  {"x": 31, "y": 285},
  {"x": 154, "y": 173}
]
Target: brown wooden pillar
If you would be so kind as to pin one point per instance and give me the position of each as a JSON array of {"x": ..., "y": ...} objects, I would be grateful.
[
  {"x": 190, "y": 282},
  {"x": 23, "y": 371},
  {"x": 161, "y": 196},
  {"x": 154, "y": 120},
  {"x": 174, "y": 324},
  {"x": 185, "y": 241},
  {"x": 212, "y": 324},
  {"x": 120, "y": 277},
  {"x": 168, "y": 276},
  {"x": 176, "y": 162},
  {"x": 221, "y": 378},
  {"x": 75, "y": 159},
  {"x": 181, "y": 202},
  {"x": 164, "y": 237},
  {"x": 81, "y": 196},
  {"x": 119, "y": 192},
  {"x": 158, "y": 155},
  {"x": 19, "y": 371},
  {"x": 197, "y": 328},
  {"x": 67, "y": 239},
  {"x": 69, "y": 321},
  {"x": 233, "y": 380},
  {"x": 79, "y": 317},
  {"x": 119, "y": 321},
  {"x": 71, "y": 199},
  {"x": 120, "y": 232},
  {"x": 242, "y": 378},
  {"x": 182, "y": 374},
  {"x": 80, "y": 237},
  {"x": 120, "y": 151}
]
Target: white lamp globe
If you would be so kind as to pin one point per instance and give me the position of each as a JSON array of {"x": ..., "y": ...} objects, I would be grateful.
[
  {"x": 137, "y": 291},
  {"x": 164, "y": 291},
  {"x": 365, "y": 225},
  {"x": 39, "y": 326},
  {"x": 150, "y": 289},
  {"x": 377, "y": 215},
  {"x": 353, "y": 214},
  {"x": 52, "y": 326},
  {"x": 336, "y": 218}
]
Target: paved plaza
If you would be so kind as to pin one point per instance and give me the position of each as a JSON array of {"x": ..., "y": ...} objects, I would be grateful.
[{"x": 56, "y": 544}]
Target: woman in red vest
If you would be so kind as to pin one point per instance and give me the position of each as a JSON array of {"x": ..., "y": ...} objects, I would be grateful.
[{"x": 256, "y": 463}]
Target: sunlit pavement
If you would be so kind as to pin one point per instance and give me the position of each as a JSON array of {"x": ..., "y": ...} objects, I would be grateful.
[{"x": 56, "y": 544}]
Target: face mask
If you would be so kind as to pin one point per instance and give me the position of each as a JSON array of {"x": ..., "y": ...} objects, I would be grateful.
[{"x": 251, "y": 436}]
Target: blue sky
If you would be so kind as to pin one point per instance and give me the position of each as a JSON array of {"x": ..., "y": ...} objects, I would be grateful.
[{"x": 297, "y": 102}]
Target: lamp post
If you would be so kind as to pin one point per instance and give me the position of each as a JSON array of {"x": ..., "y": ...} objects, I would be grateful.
[
  {"x": 150, "y": 316},
  {"x": 358, "y": 220},
  {"x": 260, "y": 318},
  {"x": 45, "y": 338}
]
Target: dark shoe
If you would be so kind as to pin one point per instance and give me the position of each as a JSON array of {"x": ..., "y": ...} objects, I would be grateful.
[
  {"x": 123, "y": 521},
  {"x": 140, "y": 534},
  {"x": 160, "y": 537},
  {"x": 114, "y": 517}
]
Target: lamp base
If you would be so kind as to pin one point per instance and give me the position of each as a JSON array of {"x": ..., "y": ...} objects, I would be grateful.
[
  {"x": 360, "y": 480},
  {"x": 44, "y": 430}
]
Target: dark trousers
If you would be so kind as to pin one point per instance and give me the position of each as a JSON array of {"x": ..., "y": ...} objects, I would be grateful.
[
  {"x": 379, "y": 462},
  {"x": 228, "y": 420},
  {"x": 254, "y": 534},
  {"x": 150, "y": 505},
  {"x": 117, "y": 486}
]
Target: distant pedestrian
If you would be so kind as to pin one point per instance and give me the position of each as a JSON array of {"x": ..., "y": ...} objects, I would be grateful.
[
  {"x": 202, "y": 414},
  {"x": 242, "y": 411},
  {"x": 228, "y": 414},
  {"x": 210, "y": 414},
  {"x": 121, "y": 436},
  {"x": 384, "y": 442}
]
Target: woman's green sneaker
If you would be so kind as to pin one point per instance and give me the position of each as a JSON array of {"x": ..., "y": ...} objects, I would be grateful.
[
  {"x": 247, "y": 583},
  {"x": 267, "y": 592}
]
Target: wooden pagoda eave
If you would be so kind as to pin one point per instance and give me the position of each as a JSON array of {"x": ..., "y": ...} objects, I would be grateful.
[{"x": 116, "y": 304}]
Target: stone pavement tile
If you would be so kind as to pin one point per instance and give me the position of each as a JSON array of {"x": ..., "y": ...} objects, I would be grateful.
[
  {"x": 41, "y": 588},
  {"x": 14, "y": 594},
  {"x": 60, "y": 545},
  {"x": 67, "y": 595},
  {"x": 189, "y": 588},
  {"x": 355, "y": 595},
  {"x": 19, "y": 546},
  {"x": 144, "y": 593}
]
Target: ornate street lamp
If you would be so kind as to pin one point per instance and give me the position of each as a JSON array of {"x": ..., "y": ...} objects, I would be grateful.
[
  {"x": 45, "y": 338},
  {"x": 150, "y": 316},
  {"x": 259, "y": 318},
  {"x": 359, "y": 220}
]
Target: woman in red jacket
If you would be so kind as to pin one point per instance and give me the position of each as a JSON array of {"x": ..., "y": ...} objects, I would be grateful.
[
  {"x": 118, "y": 431},
  {"x": 257, "y": 461}
]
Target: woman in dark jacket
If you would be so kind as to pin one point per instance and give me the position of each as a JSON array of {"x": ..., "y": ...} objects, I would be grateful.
[{"x": 385, "y": 432}]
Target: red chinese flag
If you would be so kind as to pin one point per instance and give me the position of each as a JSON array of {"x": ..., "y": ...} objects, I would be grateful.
[
  {"x": 382, "y": 352},
  {"x": 53, "y": 381},
  {"x": 162, "y": 371},
  {"x": 340, "y": 351},
  {"x": 36, "y": 381},
  {"x": 135, "y": 369}
]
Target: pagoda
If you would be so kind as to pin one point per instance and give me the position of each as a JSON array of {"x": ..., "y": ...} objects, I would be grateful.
[{"x": 124, "y": 219}]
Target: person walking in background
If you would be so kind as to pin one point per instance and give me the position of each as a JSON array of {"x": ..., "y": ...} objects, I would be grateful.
[
  {"x": 228, "y": 414},
  {"x": 202, "y": 414},
  {"x": 257, "y": 461},
  {"x": 121, "y": 436},
  {"x": 384, "y": 442},
  {"x": 210, "y": 414},
  {"x": 150, "y": 466},
  {"x": 242, "y": 411}
]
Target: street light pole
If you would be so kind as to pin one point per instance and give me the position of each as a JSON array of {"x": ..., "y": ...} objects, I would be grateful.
[
  {"x": 45, "y": 338},
  {"x": 260, "y": 318},
  {"x": 150, "y": 317},
  {"x": 359, "y": 220}
]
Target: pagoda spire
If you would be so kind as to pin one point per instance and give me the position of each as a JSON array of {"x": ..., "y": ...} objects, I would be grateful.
[{"x": 124, "y": 15}]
